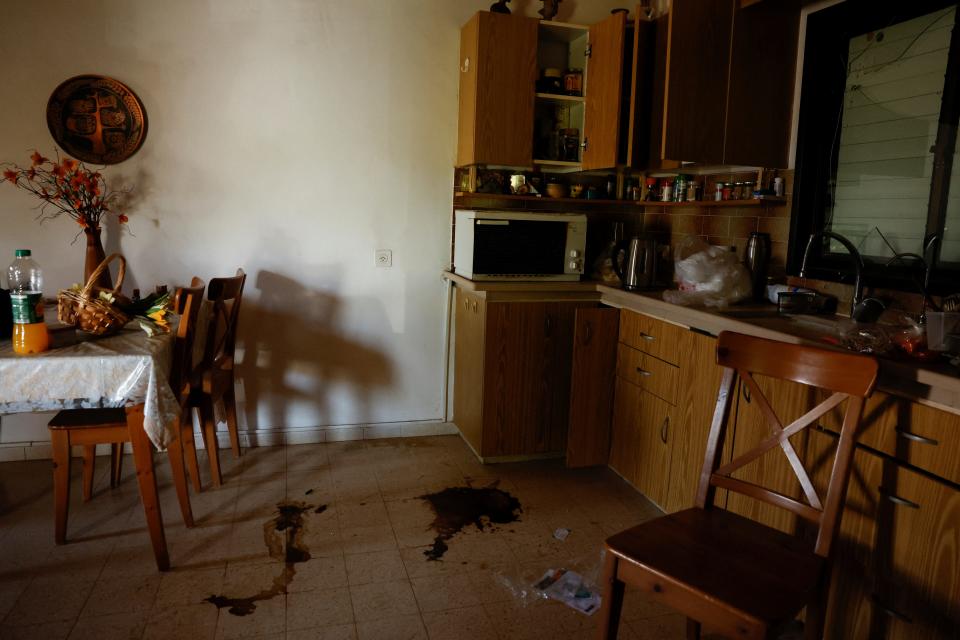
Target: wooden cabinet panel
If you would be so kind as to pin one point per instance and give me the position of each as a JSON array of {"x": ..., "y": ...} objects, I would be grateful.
[
  {"x": 696, "y": 400},
  {"x": 469, "y": 319},
  {"x": 639, "y": 449},
  {"x": 658, "y": 338},
  {"x": 897, "y": 558},
  {"x": 698, "y": 58},
  {"x": 601, "y": 128},
  {"x": 771, "y": 470},
  {"x": 760, "y": 95},
  {"x": 498, "y": 61},
  {"x": 591, "y": 386}
]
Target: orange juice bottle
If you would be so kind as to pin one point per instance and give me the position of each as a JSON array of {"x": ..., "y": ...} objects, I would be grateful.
[{"x": 26, "y": 283}]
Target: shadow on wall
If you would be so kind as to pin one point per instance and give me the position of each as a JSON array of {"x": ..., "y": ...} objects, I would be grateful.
[{"x": 295, "y": 353}]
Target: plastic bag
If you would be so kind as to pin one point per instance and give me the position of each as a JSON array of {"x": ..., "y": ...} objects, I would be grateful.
[{"x": 707, "y": 275}]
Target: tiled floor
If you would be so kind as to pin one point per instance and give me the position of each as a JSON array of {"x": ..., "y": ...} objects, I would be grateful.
[{"x": 367, "y": 577}]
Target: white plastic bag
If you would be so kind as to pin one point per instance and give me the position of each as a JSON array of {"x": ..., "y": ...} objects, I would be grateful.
[{"x": 707, "y": 275}]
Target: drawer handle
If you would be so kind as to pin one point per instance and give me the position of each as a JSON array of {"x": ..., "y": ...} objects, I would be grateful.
[
  {"x": 647, "y": 337},
  {"x": 915, "y": 438},
  {"x": 895, "y": 499},
  {"x": 746, "y": 394},
  {"x": 663, "y": 429},
  {"x": 644, "y": 372},
  {"x": 893, "y": 613}
]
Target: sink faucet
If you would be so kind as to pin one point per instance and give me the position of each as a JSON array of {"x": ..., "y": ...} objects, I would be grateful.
[{"x": 854, "y": 256}]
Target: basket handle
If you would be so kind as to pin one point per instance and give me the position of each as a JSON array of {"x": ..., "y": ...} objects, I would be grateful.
[{"x": 100, "y": 269}]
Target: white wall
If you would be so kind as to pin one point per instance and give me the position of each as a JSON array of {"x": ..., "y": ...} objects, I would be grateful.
[{"x": 292, "y": 138}]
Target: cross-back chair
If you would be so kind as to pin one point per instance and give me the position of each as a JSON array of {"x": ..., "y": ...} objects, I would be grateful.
[
  {"x": 738, "y": 577},
  {"x": 90, "y": 427},
  {"x": 213, "y": 380}
]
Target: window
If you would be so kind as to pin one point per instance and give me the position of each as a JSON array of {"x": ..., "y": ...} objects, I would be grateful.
[{"x": 876, "y": 144}]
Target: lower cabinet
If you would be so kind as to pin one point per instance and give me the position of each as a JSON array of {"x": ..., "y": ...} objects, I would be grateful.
[
  {"x": 897, "y": 557},
  {"x": 512, "y": 365}
]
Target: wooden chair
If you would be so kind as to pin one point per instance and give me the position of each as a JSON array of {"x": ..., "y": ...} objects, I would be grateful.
[
  {"x": 738, "y": 577},
  {"x": 90, "y": 427},
  {"x": 213, "y": 381}
]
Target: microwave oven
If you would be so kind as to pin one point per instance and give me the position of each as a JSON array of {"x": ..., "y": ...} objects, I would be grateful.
[{"x": 510, "y": 246}]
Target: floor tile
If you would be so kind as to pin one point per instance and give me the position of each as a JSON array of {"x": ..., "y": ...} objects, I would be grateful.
[
  {"x": 408, "y": 627},
  {"x": 323, "y": 607},
  {"x": 122, "y": 595},
  {"x": 449, "y": 591},
  {"x": 376, "y": 566},
  {"x": 194, "y": 621},
  {"x": 116, "y": 626},
  {"x": 460, "y": 624},
  {"x": 268, "y": 618},
  {"x": 49, "y": 601},
  {"x": 335, "y": 632},
  {"x": 381, "y": 600}
]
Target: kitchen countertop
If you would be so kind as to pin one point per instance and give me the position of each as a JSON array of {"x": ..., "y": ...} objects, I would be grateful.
[{"x": 936, "y": 384}]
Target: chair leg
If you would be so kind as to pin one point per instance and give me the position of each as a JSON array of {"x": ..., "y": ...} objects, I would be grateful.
[
  {"x": 147, "y": 480},
  {"x": 612, "y": 604},
  {"x": 209, "y": 421},
  {"x": 89, "y": 466},
  {"x": 230, "y": 408},
  {"x": 189, "y": 445},
  {"x": 60, "y": 441},
  {"x": 116, "y": 463},
  {"x": 816, "y": 613},
  {"x": 175, "y": 454},
  {"x": 693, "y": 629}
]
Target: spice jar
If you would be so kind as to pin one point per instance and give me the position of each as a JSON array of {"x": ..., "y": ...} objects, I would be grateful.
[
  {"x": 650, "y": 190},
  {"x": 738, "y": 191},
  {"x": 693, "y": 191},
  {"x": 551, "y": 81},
  {"x": 680, "y": 188},
  {"x": 727, "y": 190},
  {"x": 666, "y": 190},
  {"x": 718, "y": 194},
  {"x": 570, "y": 145},
  {"x": 748, "y": 188},
  {"x": 573, "y": 82}
]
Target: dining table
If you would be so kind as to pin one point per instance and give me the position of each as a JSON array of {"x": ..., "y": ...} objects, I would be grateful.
[{"x": 130, "y": 370}]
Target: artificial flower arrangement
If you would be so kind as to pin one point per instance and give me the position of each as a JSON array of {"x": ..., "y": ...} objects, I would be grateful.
[{"x": 66, "y": 186}]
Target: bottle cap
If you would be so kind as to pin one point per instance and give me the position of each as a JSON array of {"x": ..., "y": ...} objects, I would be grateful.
[{"x": 22, "y": 253}]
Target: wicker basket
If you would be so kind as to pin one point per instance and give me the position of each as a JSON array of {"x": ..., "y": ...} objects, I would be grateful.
[{"x": 86, "y": 311}]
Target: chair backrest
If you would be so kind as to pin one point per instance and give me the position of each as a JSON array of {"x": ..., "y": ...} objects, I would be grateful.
[
  {"x": 851, "y": 378},
  {"x": 225, "y": 295},
  {"x": 186, "y": 303}
]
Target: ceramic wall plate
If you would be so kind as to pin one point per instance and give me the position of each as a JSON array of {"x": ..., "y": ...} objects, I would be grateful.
[{"x": 97, "y": 119}]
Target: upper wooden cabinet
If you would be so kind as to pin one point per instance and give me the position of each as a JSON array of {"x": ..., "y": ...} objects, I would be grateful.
[
  {"x": 498, "y": 69},
  {"x": 501, "y": 57},
  {"x": 727, "y": 91}
]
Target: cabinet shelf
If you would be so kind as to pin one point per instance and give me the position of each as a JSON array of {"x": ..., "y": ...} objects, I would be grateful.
[
  {"x": 463, "y": 198},
  {"x": 559, "y": 97}
]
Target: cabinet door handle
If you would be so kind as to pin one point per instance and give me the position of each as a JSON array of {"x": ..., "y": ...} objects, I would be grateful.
[
  {"x": 915, "y": 438},
  {"x": 465, "y": 67},
  {"x": 587, "y": 333},
  {"x": 644, "y": 372},
  {"x": 548, "y": 325},
  {"x": 893, "y": 613},
  {"x": 746, "y": 394},
  {"x": 474, "y": 307},
  {"x": 663, "y": 429},
  {"x": 647, "y": 337},
  {"x": 895, "y": 499}
]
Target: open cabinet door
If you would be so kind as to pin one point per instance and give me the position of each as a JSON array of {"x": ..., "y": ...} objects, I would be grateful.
[
  {"x": 601, "y": 126},
  {"x": 595, "y": 337}
]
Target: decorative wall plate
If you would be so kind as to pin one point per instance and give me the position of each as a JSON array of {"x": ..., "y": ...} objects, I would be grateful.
[{"x": 96, "y": 119}]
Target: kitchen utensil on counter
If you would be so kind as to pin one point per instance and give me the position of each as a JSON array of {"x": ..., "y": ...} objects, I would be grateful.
[
  {"x": 757, "y": 259},
  {"x": 556, "y": 190},
  {"x": 638, "y": 269}
]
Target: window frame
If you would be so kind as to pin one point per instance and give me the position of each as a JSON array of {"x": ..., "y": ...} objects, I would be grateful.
[{"x": 822, "y": 87}]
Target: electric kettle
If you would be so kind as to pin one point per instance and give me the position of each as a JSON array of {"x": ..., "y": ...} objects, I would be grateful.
[{"x": 637, "y": 267}]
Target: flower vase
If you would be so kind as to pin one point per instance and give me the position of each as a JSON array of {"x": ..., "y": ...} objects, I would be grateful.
[{"x": 95, "y": 255}]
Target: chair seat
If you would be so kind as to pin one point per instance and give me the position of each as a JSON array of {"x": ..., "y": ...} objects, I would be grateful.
[
  {"x": 749, "y": 567},
  {"x": 76, "y": 418}
]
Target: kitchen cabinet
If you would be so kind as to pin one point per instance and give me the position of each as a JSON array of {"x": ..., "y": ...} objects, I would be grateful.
[
  {"x": 498, "y": 68},
  {"x": 502, "y": 114},
  {"x": 512, "y": 365},
  {"x": 667, "y": 382},
  {"x": 897, "y": 569},
  {"x": 726, "y": 93},
  {"x": 591, "y": 386}
]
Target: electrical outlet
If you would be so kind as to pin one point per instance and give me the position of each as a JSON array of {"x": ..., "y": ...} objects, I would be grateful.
[{"x": 384, "y": 257}]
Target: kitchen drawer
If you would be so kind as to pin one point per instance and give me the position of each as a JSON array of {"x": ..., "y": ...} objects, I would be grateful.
[
  {"x": 656, "y": 337},
  {"x": 919, "y": 435},
  {"x": 652, "y": 374}
]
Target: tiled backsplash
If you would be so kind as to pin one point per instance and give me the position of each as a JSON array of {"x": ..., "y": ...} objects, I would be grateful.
[{"x": 727, "y": 225}]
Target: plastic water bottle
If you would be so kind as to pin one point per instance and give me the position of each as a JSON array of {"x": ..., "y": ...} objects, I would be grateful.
[{"x": 26, "y": 286}]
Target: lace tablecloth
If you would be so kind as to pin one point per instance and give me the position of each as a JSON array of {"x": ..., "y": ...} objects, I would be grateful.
[{"x": 128, "y": 368}]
